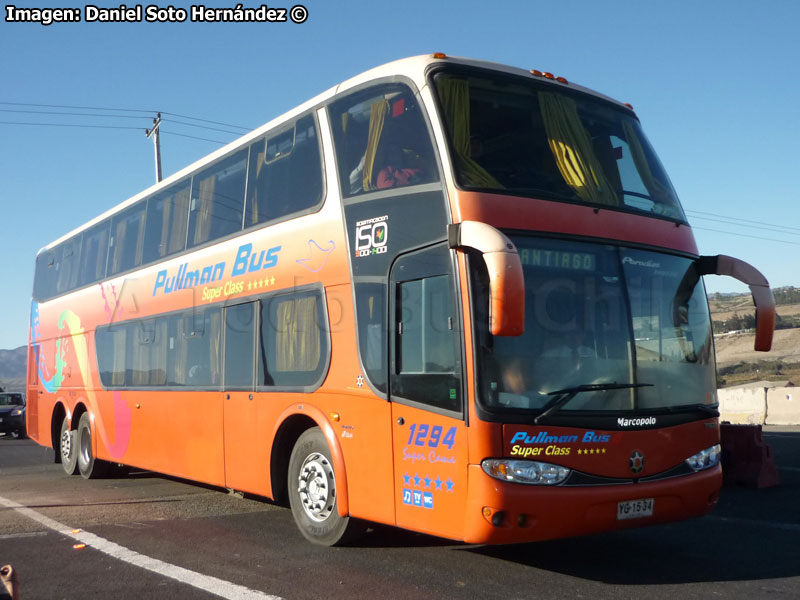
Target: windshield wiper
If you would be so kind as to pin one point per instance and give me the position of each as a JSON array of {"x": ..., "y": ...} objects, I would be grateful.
[
  {"x": 567, "y": 394},
  {"x": 706, "y": 408}
]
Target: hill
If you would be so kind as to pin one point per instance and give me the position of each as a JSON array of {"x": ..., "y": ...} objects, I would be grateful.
[
  {"x": 737, "y": 362},
  {"x": 12, "y": 369}
]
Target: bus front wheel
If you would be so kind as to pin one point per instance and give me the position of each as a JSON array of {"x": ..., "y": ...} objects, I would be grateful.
[
  {"x": 67, "y": 449},
  {"x": 88, "y": 465},
  {"x": 312, "y": 493}
]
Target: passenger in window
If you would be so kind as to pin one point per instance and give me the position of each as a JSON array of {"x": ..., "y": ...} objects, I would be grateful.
[{"x": 403, "y": 167}]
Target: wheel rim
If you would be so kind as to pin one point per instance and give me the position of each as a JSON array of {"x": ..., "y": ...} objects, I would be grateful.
[
  {"x": 317, "y": 487},
  {"x": 66, "y": 444},
  {"x": 85, "y": 446}
]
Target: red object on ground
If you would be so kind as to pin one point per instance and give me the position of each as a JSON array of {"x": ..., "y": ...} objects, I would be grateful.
[{"x": 746, "y": 459}]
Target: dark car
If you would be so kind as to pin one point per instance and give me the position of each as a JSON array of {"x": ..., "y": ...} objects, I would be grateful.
[{"x": 12, "y": 414}]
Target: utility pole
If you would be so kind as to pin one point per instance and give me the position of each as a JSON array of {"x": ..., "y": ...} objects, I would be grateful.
[{"x": 157, "y": 144}]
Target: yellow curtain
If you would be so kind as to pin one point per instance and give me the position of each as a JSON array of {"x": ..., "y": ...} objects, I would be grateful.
[
  {"x": 158, "y": 354},
  {"x": 139, "y": 238},
  {"x": 454, "y": 94},
  {"x": 298, "y": 336},
  {"x": 141, "y": 356},
  {"x": 119, "y": 244},
  {"x": 654, "y": 187},
  {"x": 572, "y": 150},
  {"x": 214, "y": 335},
  {"x": 180, "y": 366},
  {"x": 377, "y": 117},
  {"x": 118, "y": 341},
  {"x": 180, "y": 208},
  {"x": 167, "y": 208},
  {"x": 205, "y": 197},
  {"x": 256, "y": 188}
]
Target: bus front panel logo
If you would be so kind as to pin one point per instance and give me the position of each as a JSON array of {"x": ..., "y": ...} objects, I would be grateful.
[{"x": 637, "y": 462}]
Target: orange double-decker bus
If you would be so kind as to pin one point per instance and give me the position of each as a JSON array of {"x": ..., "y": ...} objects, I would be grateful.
[{"x": 448, "y": 295}]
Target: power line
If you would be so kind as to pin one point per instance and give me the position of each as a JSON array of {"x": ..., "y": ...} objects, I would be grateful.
[
  {"x": 194, "y": 137},
  {"x": 748, "y": 236},
  {"x": 69, "y": 125},
  {"x": 124, "y": 110},
  {"x": 81, "y": 114},
  {"x": 73, "y": 114},
  {"x": 202, "y": 126},
  {"x": 77, "y": 107},
  {"x": 207, "y": 121},
  {"x": 770, "y": 228},
  {"x": 697, "y": 212}
]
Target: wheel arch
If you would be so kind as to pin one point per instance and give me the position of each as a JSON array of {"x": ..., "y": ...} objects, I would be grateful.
[
  {"x": 291, "y": 424},
  {"x": 56, "y": 419}
]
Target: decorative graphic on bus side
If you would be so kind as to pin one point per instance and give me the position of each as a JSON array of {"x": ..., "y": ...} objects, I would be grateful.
[
  {"x": 371, "y": 236},
  {"x": 317, "y": 256}
]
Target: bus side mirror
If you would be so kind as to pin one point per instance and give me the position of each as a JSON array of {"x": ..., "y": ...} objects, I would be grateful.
[
  {"x": 506, "y": 281},
  {"x": 759, "y": 288}
]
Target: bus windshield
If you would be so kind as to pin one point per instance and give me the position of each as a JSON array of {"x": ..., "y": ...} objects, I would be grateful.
[
  {"x": 629, "y": 328},
  {"x": 527, "y": 138}
]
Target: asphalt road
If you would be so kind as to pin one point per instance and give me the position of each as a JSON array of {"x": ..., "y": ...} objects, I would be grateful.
[{"x": 149, "y": 536}]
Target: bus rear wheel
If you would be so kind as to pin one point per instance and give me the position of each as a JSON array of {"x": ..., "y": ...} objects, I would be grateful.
[
  {"x": 312, "y": 493},
  {"x": 67, "y": 449},
  {"x": 88, "y": 465}
]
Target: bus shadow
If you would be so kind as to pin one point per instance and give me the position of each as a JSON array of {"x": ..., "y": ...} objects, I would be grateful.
[
  {"x": 386, "y": 536},
  {"x": 703, "y": 550}
]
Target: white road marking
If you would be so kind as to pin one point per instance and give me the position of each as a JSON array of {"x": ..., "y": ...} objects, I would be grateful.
[
  {"x": 757, "y": 523},
  {"x": 213, "y": 585},
  {"x": 14, "y": 536}
]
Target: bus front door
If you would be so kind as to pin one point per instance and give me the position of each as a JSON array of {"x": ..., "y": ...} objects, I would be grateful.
[{"x": 428, "y": 429}]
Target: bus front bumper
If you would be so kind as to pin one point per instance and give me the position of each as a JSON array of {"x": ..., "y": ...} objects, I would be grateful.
[{"x": 505, "y": 513}]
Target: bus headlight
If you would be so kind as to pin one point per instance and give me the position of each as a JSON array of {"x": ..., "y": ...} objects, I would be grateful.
[
  {"x": 706, "y": 459},
  {"x": 525, "y": 471}
]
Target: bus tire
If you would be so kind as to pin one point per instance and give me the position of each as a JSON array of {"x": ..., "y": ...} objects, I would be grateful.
[
  {"x": 67, "y": 448},
  {"x": 312, "y": 493},
  {"x": 88, "y": 465}
]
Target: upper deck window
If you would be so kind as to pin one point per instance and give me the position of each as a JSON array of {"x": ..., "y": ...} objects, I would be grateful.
[
  {"x": 528, "y": 138},
  {"x": 285, "y": 173},
  {"x": 381, "y": 140}
]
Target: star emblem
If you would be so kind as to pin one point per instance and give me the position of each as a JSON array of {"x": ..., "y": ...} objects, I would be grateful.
[
  {"x": 438, "y": 483},
  {"x": 450, "y": 483},
  {"x": 427, "y": 481},
  {"x": 636, "y": 462},
  {"x": 360, "y": 381},
  {"x": 416, "y": 480},
  {"x": 406, "y": 478}
]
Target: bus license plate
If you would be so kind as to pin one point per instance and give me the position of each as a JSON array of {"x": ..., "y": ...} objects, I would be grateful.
[{"x": 635, "y": 509}]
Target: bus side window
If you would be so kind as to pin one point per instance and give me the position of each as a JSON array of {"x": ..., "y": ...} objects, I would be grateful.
[
  {"x": 240, "y": 322},
  {"x": 426, "y": 359},
  {"x": 217, "y": 200},
  {"x": 94, "y": 252},
  {"x": 285, "y": 173},
  {"x": 127, "y": 239},
  {"x": 294, "y": 340},
  {"x": 167, "y": 215},
  {"x": 381, "y": 140},
  {"x": 67, "y": 257},
  {"x": 371, "y": 316}
]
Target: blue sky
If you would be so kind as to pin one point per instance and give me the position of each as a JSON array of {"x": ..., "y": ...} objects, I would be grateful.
[{"x": 714, "y": 83}]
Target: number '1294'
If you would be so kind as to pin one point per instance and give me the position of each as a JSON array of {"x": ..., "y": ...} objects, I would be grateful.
[{"x": 417, "y": 436}]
